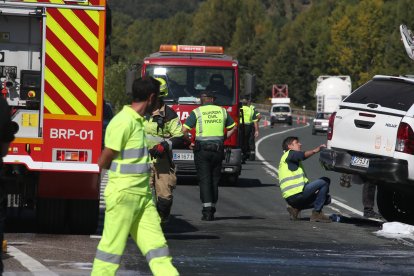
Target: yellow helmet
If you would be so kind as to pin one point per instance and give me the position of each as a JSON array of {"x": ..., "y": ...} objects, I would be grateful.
[{"x": 163, "y": 87}]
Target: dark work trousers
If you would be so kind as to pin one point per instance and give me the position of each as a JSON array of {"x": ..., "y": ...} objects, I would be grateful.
[
  {"x": 208, "y": 165},
  {"x": 246, "y": 140},
  {"x": 368, "y": 195},
  {"x": 252, "y": 139},
  {"x": 3, "y": 208}
]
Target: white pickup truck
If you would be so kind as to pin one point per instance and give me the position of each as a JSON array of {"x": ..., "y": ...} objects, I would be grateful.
[{"x": 371, "y": 136}]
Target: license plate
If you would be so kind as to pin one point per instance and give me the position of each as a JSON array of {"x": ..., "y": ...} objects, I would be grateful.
[
  {"x": 183, "y": 156},
  {"x": 359, "y": 162}
]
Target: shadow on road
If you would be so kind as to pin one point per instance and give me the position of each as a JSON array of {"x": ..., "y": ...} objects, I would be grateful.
[
  {"x": 251, "y": 182},
  {"x": 191, "y": 237},
  {"x": 237, "y": 218},
  {"x": 361, "y": 221},
  {"x": 357, "y": 221},
  {"x": 177, "y": 225}
]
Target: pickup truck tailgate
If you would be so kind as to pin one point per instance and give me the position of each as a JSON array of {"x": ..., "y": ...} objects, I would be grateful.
[{"x": 365, "y": 131}]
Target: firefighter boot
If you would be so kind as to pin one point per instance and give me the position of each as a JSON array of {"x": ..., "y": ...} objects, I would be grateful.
[
  {"x": 208, "y": 213},
  {"x": 164, "y": 208}
]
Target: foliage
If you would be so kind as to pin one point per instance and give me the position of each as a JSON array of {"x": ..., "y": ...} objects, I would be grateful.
[
  {"x": 115, "y": 76},
  {"x": 279, "y": 41}
]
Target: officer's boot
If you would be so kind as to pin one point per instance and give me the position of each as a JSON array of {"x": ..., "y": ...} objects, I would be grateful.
[
  {"x": 208, "y": 213},
  {"x": 164, "y": 208}
]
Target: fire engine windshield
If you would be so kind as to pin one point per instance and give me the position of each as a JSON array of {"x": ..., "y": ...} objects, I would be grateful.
[{"x": 185, "y": 84}]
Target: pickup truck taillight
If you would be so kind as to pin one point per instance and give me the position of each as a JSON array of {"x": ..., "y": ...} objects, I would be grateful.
[
  {"x": 405, "y": 139},
  {"x": 331, "y": 125}
]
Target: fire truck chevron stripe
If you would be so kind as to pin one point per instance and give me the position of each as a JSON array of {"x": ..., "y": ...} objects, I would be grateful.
[
  {"x": 76, "y": 63},
  {"x": 91, "y": 2},
  {"x": 72, "y": 17},
  {"x": 75, "y": 42},
  {"x": 71, "y": 61},
  {"x": 51, "y": 106},
  {"x": 65, "y": 93},
  {"x": 57, "y": 102},
  {"x": 91, "y": 19},
  {"x": 71, "y": 73}
]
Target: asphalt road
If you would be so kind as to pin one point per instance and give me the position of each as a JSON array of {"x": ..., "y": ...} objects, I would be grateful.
[{"x": 252, "y": 233}]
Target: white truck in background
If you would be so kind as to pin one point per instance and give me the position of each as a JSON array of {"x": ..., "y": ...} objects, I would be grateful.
[
  {"x": 330, "y": 91},
  {"x": 280, "y": 112}
]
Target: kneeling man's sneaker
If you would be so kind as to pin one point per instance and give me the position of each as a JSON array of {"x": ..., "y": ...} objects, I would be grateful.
[
  {"x": 319, "y": 217},
  {"x": 293, "y": 212}
]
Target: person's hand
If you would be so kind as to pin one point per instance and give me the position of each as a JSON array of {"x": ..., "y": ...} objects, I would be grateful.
[
  {"x": 191, "y": 146},
  {"x": 318, "y": 149},
  {"x": 256, "y": 134},
  {"x": 159, "y": 149}
]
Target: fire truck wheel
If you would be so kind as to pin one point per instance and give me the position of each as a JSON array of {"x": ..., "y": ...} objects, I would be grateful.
[
  {"x": 83, "y": 216},
  {"x": 50, "y": 215}
]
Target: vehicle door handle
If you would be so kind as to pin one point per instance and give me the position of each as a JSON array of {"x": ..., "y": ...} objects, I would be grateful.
[{"x": 363, "y": 124}]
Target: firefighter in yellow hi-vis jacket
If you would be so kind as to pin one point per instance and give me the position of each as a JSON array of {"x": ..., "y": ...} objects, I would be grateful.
[
  {"x": 163, "y": 130},
  {"x": 130, "y": 209}
]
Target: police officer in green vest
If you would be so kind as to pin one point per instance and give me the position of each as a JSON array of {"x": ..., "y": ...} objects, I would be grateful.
[
  {"x": 210, "y": 121},
  {"x": 249, "y": 117},
  {"x": 295, "y": 186}
]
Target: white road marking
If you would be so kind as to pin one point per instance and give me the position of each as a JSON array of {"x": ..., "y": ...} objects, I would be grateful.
[
  {"x": 274, "y": 169},
  {"x": 35, "y": 267}
]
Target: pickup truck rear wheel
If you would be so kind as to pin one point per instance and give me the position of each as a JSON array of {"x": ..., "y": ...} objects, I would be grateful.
[{"x": 395, "y": 205}]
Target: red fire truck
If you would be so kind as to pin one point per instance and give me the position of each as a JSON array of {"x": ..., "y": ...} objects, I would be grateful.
[
  {"x": 189, "y": 70},
  {"x": 52, "y": 55}
]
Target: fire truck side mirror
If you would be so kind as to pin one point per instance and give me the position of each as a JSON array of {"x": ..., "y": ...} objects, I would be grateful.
[
  {"x": 250, "y": 83},
  {"x": 131, "y": 75}
]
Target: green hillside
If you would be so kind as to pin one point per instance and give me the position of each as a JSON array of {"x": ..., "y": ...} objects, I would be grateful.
[{"x": 281, "y": 41}]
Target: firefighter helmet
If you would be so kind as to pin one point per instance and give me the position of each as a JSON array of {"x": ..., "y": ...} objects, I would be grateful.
[{"x": 163, "y": 87}]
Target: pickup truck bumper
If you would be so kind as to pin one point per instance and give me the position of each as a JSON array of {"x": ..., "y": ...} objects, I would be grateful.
[
  {"x": 383, "y": 169},
  {"x": 281, "y": 119},
  {"x": 230, "y": 165}
]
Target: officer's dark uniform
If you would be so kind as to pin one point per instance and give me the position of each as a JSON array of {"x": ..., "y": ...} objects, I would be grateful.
[
  {"x": 210, "y": 121},
  {"x": 7, "y": 131}
]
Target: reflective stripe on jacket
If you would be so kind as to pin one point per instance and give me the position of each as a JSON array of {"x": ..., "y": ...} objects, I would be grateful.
[{"x": 291, "y": 182}]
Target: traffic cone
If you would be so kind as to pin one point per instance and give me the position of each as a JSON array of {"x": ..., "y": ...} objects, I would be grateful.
[
  {"x": 304, "y": 119},
  {"x": 265, "y": 123},
  {"x": 298, "y": 120}
]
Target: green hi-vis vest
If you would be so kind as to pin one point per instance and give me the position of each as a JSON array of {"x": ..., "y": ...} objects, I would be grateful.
[
  {"x": 211, "y": 120},
  {"x": 133, "y": 161},
  {"x": 291, "y": 182},
  {"x": 247, "y": 114}
]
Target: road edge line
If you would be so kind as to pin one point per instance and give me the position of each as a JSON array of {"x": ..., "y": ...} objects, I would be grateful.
[{"x": 28, "y": 262}]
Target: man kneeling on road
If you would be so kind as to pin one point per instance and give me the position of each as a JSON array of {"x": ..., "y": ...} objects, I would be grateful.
[{"x": 296, "y": 189}]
